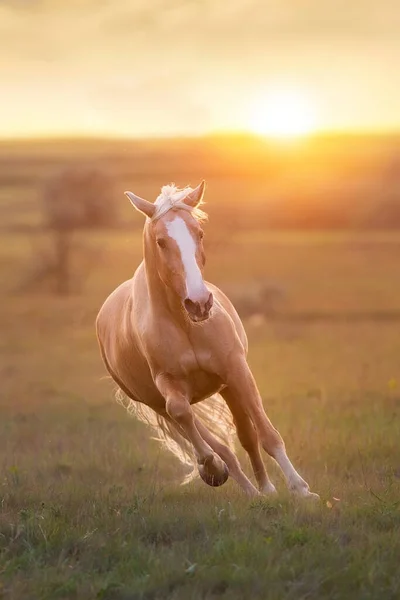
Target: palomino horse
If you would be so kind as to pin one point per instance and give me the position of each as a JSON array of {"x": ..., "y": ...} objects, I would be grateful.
[{"x": 171, "y": 340}]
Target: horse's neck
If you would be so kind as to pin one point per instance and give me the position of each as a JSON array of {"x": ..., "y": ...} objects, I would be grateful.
[{"x": 162, "y": 300}]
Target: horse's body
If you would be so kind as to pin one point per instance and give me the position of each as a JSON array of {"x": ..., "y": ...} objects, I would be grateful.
[
  {"x": 185, "y": 352},
  {"x": 171, "y": 340}
]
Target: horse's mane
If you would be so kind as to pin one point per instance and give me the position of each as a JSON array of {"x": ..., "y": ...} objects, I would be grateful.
[{"x": 172, "y": 197}]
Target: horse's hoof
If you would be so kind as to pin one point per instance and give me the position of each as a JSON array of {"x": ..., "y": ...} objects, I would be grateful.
[
  {"x": 213, "y": 476},
  {"x": 312, "y": 496},
  {"x": 306, "y": 494},
  {"x": 302, "y": 490},
  {"x": 269, "y": 489}
]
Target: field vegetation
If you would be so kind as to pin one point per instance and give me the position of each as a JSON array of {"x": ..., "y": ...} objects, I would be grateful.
[{"x": 90, "y": 507}]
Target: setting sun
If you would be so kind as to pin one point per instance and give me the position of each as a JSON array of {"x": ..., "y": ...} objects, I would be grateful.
[{"x": 283, "y": 114}]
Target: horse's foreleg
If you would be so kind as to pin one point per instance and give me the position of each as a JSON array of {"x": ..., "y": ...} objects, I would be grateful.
[
  {"x": 244, "y": 389},
  {"x": 248, "y": 438},
  {"x": 212, "y": 468},
  {"x": 235, "y": 470}
]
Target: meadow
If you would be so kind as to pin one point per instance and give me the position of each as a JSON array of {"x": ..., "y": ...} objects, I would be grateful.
[{"x": 90, "y": 507}]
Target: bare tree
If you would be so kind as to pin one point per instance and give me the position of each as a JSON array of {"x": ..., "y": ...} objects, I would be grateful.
[{"x": 73, "y": 199}]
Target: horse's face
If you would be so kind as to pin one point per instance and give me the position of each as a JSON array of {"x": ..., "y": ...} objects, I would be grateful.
[
  {"x": 178, "y": 247},
  {"x": 176, "y": 241}
]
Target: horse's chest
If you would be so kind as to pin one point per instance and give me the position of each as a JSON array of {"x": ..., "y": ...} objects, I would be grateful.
[
  {"x": 191, "y": 359},
  {"x": 202, "y": 385},
  {"x": 187, "y": 360},
  {"x": 196, "y": 369}
]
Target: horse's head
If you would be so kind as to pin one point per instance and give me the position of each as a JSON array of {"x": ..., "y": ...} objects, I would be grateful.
[{"x": 174, "y": 238}]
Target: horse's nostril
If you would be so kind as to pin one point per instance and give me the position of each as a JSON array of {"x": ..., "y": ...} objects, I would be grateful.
[
  {"x": 209, "y": 302},
  {"x": 197, "y": 309},
  {"x": 191, "y": 306},
  {"x": 188, "y": 304}
]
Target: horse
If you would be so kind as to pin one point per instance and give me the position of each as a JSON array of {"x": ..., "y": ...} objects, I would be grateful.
[{"x": 176, "y": 348}]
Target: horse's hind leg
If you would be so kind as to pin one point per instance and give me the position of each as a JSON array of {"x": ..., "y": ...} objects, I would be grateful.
[
  {"x": 248, "y": 437},
  {"x": 245, "y": 393}
]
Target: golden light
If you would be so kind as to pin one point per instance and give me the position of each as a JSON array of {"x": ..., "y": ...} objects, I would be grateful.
[{"x": 283, "y": 114}]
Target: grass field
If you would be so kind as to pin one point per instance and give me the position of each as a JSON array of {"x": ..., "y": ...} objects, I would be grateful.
[{"x": 89, "y": 505}]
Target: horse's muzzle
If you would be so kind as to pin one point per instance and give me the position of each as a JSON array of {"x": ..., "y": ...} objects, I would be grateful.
[{"x": 198, "y": 311}]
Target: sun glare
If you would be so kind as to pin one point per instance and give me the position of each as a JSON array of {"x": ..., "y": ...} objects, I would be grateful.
[{"x": 283, "y": 114}]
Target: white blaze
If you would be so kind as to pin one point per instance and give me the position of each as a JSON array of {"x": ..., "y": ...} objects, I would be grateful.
[{"x": 178, "y": 230}]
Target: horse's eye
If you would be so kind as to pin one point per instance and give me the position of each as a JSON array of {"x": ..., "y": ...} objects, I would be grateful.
[
  {"x": 201, "y": 234},
  {"x": 161, "y": 243}
]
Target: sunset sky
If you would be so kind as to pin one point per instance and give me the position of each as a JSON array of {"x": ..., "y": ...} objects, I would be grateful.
[{"x": 161, "y": 67}]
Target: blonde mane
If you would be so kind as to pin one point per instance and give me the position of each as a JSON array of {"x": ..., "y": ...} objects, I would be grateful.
[{"x": 172, "y": 197}]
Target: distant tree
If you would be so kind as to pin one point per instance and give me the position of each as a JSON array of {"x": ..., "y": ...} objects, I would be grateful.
[
  {"x": 73, "y": 199},
  {"x": 80, "y": 197}
]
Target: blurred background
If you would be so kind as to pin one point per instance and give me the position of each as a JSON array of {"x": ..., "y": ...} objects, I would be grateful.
[{"x": 290, "y": 111}]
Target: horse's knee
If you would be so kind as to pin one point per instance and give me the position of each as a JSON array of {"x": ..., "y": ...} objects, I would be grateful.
[{"x": 178, "y": 409}]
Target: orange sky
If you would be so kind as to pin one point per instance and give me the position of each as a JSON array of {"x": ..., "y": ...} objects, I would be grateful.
[{"x": 161, "y": 67}]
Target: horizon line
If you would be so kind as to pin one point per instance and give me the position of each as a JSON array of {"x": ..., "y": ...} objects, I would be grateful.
[{"x": 85, "y": 136}]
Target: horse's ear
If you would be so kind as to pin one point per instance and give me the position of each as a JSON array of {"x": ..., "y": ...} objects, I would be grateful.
[
  {"x": 196, "y": 196},
  {"x": 143, "y": 206}
]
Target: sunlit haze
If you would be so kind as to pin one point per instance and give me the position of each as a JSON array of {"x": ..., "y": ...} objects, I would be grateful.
[
  {"x": 135, "y": 68},
  {"x": 283, "y": 114}
]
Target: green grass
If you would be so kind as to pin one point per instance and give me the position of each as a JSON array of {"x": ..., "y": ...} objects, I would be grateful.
[{"x": 91, "y": 508}]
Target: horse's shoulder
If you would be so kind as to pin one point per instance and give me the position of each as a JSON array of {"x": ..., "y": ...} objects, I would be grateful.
[
  {"x": 229, "y": 308},
  {"x": 221, "y": 297},
  {"x": 113, "y": 307},
  {"x": 123, "y": 295},
  {"x": 119, "y": 295}
]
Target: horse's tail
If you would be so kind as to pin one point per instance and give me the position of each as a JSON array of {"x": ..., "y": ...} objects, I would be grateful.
[{"x": 212, "y": 412}]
